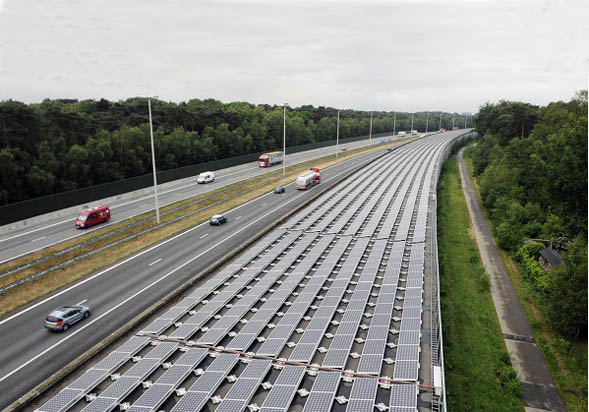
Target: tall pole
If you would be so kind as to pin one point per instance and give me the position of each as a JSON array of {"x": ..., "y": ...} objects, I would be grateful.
[
  {"x": 440, "y": 128},
  {"x": 337, "y": 135},
  {"x": 465, "y": 117},
  {"x": 370, "y": 132},
  {"x": 426, "y": 122},
  {"x": 411, "y": 123},
  {"x": 453, "y": 118},
  {"x": 394, "y": 124},
  {"x": 157, "y": 207},
  {"x": 284, "y": 141}
]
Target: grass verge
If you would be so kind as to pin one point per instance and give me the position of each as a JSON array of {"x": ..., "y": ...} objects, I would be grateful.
[
  {"x": 56, "y": 279},
  {"x": 478, "y": 371},
  {"x": 566, "y": 361}
]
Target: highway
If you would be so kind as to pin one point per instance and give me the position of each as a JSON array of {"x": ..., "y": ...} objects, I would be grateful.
[
  {"x": 14, "y": 244},
  {"x": 352, "y": 270},
  {"x": 31, "y": 354}
]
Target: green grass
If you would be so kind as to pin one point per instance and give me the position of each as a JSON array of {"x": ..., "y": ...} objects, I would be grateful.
[{"x": 478, "y": 371}]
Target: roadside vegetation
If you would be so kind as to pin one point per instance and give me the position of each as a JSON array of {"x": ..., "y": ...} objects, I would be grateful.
[
  {"x": 530, "y": 168},
  {"x": 65, "y": 144},
  {"x": 198, "y": 212},
  {"x": 478, "y": 371}
]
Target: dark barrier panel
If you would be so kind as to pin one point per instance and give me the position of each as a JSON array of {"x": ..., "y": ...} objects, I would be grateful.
[{"x": 28, "y": 208}]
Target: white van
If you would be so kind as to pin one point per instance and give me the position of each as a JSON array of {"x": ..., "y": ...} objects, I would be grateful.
[{"x": 206, "y": 177}]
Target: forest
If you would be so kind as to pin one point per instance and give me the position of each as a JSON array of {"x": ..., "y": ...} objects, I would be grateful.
[
  {"x": 61, "y": 145},
  {"x": 531, "y": 163}
]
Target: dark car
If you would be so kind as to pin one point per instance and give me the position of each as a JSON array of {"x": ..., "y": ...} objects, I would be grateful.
[
  {"x": 61, "y": 319},
  {"x": 218, "y": 220},
  {"x": 279, "y": 189}
]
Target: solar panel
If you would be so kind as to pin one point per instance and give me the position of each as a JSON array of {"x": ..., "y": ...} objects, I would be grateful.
[
  {"x": 121, "y": 387},
  {"x": 404, "y": 396},
  {"x": 89, "y": 379},
  {"x": 101, "y": 405},
  {"x": 191, "y": 401},
  {"x": 406, "y": 370},
  {"x": 318, "y": 402},
  {"x": 360, "y": 405},
  {"x": 290, "y": 375},
  {"x": 62, "y": 401},
  {"x": 280, "y": 396},
  {"x": 154, "y": 396}
]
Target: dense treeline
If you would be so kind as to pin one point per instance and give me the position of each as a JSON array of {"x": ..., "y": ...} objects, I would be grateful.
[
  {"x": 61, "y": 145},
  {"x": 532, "y": 168}
]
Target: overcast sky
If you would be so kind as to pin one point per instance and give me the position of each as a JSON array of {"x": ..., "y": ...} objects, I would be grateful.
[{"x": 380, "y": 55}]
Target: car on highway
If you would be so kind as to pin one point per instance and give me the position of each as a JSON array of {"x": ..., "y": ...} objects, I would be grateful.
[
  {"x": 217, "y": 220},
  {"x": 91, "y": 217},
  {"x": 206, "y": 177},
  {"x": 279, "y": 189},
  {"x": 61, "y": 319}
]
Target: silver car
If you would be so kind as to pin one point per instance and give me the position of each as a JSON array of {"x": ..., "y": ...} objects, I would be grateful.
[{"x": 61, "y": 319}]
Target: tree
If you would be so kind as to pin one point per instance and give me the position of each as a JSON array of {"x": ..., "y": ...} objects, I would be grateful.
[{"x": 567, "y": 291}]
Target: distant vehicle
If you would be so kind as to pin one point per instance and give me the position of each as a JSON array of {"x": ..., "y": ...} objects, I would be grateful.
[
  {"x": 389, "y": 149},
  {"x": 344, "y": 148},
  {"x": 61, "y": 319},
  {"x": 442, "y": 130},
  {"x": 413, "y": 132},
  {"x": 279, "y": 189},
  {"x": 309, "y": 179},
  {"x": 401, "y": 134},
  {"x": 205, "y": 177},
  {"x": 271, "y": 158},
  {"x": 217, "y": 220},
  {"x": 455, "y": 128},
  {"x": 91, "y": 217}
]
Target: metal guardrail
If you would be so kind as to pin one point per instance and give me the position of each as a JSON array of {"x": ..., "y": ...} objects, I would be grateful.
[{"x": 437, "y": 353}]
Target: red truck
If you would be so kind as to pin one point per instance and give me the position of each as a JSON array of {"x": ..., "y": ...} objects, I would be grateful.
[
  {"x": 91, "y": 217},
  {"x": 309, "y": 179}
]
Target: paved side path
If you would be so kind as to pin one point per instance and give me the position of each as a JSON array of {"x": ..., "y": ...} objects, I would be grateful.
[{"x": 539, "y": 391}]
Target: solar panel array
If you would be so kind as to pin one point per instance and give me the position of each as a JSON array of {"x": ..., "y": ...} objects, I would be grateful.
[{"x": 324, "y": 312}]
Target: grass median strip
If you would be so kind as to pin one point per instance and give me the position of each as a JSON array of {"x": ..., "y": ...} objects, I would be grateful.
[
  {"x": 243, "y": 191},
  {"x": 479, "y": 375}
]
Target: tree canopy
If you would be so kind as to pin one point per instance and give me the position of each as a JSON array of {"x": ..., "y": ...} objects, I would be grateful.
[{"x": 60, "y": 145}]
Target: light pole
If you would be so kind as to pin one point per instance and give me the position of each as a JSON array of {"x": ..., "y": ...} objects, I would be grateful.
[
  {"x": 394, "y": 124},
  {"x": 426, "y": 122},
  {"x": 465, "y": 117},
  {"x": 440, "y": 128},
  {"x": 337, "y": 135},
  {"x": 453, "y": 118},
  {"x": 157, "y": 207},
  {"x": 284, "y": 141},
  {"x": 370, "y": 132},
  {"x": 411, "y": 123}
]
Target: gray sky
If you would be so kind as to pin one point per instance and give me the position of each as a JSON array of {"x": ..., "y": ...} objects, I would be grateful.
[{"x": 379, "y": 55}]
